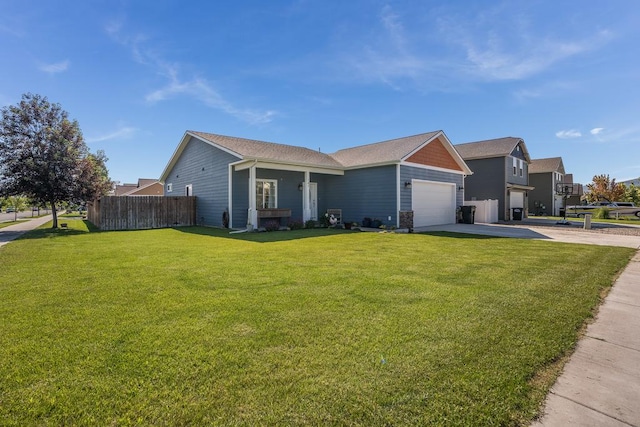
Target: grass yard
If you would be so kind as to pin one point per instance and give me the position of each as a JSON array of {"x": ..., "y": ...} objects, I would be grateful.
[{"x": 312, "y": 327}]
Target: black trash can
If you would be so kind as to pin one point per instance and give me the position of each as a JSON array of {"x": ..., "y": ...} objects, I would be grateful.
[
  {"x": 517, "y": 214},
  {"x": 468, "y": 214}
]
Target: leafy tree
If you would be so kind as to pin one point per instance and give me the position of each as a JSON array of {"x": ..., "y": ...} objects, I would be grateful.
[
  {"x": 632, "y": 194},
  {"x": 604, "y": 187},
  {"x": 19, "y": 203},
  {"x": 44, "y": 157}
]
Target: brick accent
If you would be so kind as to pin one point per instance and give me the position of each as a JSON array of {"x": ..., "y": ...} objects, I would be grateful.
[
  {"x": 435, "y": 154},
  {"x": 406, "y": 219}
]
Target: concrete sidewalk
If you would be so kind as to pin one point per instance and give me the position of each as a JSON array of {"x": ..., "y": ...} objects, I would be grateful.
[
  {"x": 600, "y": 385},
  {"x": 12, "y": 232}
]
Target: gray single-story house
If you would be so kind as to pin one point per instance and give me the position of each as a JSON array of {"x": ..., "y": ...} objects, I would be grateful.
[{"x": 239, "y": 183}]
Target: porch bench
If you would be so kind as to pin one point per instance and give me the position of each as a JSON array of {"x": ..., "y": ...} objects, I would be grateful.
[{"x": 274, "y": 213}]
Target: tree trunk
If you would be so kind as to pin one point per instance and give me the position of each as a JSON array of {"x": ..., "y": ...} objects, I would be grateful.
[{"x": 55, "y": 215}]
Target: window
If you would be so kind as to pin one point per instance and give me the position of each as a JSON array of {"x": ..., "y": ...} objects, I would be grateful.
[
  {"x": 521, "y": 166},
  {"x": 188, "y": 190},
  {"x": 515, "y": 166},
  {"x": 169, "y": 188},
  {"x": 266, "y": 193}
]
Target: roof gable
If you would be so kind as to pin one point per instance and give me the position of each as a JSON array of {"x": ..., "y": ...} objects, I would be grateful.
[
  {"x": 435, "y": 154},
  {"x": 551, "y": 164},
  {"x": 402, "y": 149},
  {"x": 500, "y": 147}
]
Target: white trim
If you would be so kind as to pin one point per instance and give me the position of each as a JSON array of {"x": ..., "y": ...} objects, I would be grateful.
[
  {"x": 253, "y": 213},
  {"x": 274, "y": 186},
  {"x": 247, "y": 163},
  {"x": 169, "y": 187},
  {"x": 435, "y": 168}
]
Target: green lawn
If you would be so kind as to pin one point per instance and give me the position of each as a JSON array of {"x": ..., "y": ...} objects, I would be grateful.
[{"x": 312, "y": 327}]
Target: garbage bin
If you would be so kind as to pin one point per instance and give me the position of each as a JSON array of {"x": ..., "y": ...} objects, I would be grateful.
[
  {"x": 468, "y": 214},
  {"x": 517, "y": 214},
  {"x": 562, "y": 212}
]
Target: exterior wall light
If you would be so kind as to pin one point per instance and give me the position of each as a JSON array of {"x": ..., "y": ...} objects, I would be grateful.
[
  {"x": 300, "y": 186},
  {"x": 407, "y": 184}
]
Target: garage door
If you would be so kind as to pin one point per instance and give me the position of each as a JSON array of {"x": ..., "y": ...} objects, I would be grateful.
[{"x": 433, "y": 203}]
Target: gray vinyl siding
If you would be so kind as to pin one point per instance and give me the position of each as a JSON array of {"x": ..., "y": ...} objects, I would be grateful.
[
  {"x": 206, "y": 169},
  {"x": 361, "y": 193},
  {"x": 542, "y": 193},
  {"x": 488, "y": 181},
  {"x": 407, "y": 173},
  {"x": 516, "y": 179},
  {"x": 240, "y": 194}
]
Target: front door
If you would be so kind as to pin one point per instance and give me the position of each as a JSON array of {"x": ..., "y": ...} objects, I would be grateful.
[{"x": 313, "y": 204}]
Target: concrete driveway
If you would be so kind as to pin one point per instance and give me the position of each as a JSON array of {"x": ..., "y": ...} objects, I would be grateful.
[{"x": 601, "y": 234}]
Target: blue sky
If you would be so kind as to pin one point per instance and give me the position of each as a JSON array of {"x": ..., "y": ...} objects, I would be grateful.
[{"x": 563, "y": 75}]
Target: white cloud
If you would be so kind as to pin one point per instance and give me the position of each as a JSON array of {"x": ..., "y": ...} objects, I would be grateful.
[
  {"x": 518, "y": 54},
  {"x": 122, "y": 132},
  {"x": 596, "y": 131},
  {"x": 568, "y": 134},
  {"x": 196, "y": 88},
  {"x": 57, "y": 67},
  {"x": 202, "y": 90}
]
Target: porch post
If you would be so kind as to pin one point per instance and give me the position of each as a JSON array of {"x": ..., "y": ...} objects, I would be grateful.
[
  {"x": 306, "y": 197},
  {"x": 252, "y": 219}
]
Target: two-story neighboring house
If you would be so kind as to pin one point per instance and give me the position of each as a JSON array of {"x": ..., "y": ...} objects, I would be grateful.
[
  {"x": 544, "y": 175},
  {"x": 500, "y": 171}
]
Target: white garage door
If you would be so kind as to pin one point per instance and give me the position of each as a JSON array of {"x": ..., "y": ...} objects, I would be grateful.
[{"x": 433, "y": 203}]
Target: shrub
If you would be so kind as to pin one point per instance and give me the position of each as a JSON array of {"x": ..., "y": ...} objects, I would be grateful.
[
  {"x": 601, "y": 213},
  {"x": 310, "y": 224},
  {"x": 272, "y": 225},
  {"x": 295, "y": 224}
]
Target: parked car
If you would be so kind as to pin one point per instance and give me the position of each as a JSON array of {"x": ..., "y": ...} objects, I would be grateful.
[
  {"x": 11, "y": 209},
  {"x": 620, "y": 208}
]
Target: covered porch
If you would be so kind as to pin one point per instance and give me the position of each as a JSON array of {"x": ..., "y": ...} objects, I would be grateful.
[{"x": 272, "y": 191}]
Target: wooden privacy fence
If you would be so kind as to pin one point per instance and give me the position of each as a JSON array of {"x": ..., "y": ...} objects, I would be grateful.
[{"x": 142, "y": 212}]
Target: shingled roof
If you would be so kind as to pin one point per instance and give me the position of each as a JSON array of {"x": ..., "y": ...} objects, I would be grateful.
[
  {"x": 261, "y": 150},
  {"x": 385, "y": 152},
  {"x": 551, "y": 164},
  {"x": 499, "y": 147},
  {"x": 389, "y": 151}
]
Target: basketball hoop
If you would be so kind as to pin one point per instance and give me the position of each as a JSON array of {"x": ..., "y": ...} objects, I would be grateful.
[{"x": 565, "y": 190}]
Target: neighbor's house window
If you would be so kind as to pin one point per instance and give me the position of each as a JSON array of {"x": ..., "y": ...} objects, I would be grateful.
[
  {"x": 521, "y": 166},
  {"x": 169, "y": 188},
  {"x": 188, "y": 190},
  {"x": 266, "y": 193},
  {"x": 515, "y": 166}
]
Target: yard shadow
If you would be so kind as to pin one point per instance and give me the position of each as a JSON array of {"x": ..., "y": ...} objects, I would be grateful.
[
  {"x": 74, "y": 227},
  {"x": 264, "y": 237},
  {"x": 457, "y": 235}
]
